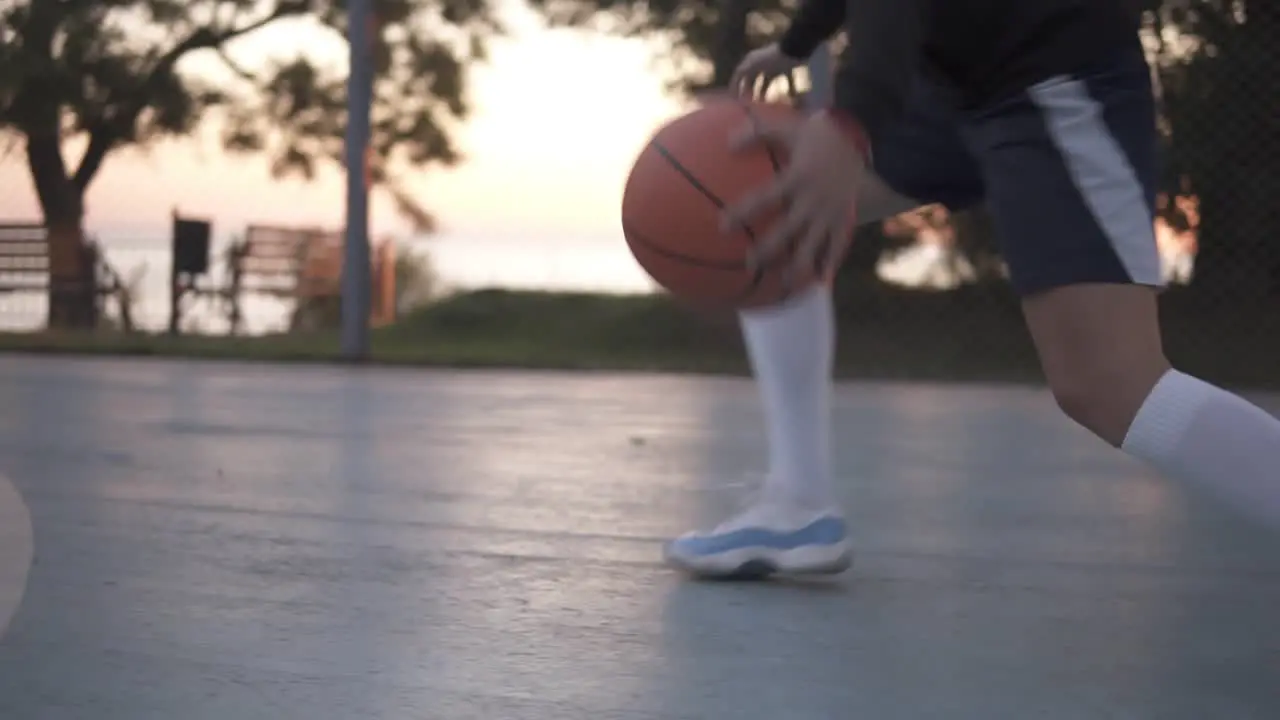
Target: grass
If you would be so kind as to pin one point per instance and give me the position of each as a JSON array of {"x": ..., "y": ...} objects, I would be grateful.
[
  {"x": 974, "y": 334},
  {"x": 488, "y": 328}
]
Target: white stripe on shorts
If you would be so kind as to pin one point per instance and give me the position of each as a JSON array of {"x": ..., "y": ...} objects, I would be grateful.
[{"x": 1102, "y": 173}]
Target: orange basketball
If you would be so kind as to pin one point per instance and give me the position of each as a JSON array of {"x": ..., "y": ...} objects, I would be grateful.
[{"x": 674, "y": 197}]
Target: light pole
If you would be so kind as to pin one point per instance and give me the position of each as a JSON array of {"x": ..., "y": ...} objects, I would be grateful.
[{"x": 356, "y": 271}]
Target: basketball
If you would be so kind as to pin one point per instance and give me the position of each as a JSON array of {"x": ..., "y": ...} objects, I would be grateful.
[{"x": 679, "y": 185}]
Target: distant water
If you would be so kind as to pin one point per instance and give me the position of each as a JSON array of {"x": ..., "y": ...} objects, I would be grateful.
[{"x": 461, "y": 262}]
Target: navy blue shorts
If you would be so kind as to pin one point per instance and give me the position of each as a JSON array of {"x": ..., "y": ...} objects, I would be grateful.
[{"x": 1068, "y": 170}]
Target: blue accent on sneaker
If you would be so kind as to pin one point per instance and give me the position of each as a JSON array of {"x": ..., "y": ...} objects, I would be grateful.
[{"x": 823, "y": 531}]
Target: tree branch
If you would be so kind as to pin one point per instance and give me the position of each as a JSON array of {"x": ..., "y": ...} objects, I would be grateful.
[
  {"x": 104, "y": 136},
  {"x": 235, "y": 67}
]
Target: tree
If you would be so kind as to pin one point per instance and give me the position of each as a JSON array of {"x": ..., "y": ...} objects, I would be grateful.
[
  {"x": 114, "y": 73},
  {"x": 417, "y": 283},
  {"x": 706, "y": 38}
]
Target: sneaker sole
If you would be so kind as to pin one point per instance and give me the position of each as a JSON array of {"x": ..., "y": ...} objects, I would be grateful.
[{"x": 757, "y": 563}]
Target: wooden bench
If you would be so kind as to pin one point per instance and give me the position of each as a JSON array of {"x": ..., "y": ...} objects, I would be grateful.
[
  {"x": 24, "y": 258},
  {"x": 302, "y": 265},
  {"x": 265, "y": 261},
  {"x": 27, "y": 266},
  {"x": 320, "y": 282}
]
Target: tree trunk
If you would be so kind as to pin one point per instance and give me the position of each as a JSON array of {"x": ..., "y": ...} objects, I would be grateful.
[
  {"x": 731, "y": 44},
  {"x": 72, "y": 265},
  {"x": 73, "y": 298}
]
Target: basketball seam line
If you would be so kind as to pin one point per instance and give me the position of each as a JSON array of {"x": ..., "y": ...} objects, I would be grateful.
[
  {"x": 657, "y": 249},
  {"x": 757, "y": 276},
  {"x": 752, "y": 284},
  {"x": 696, "y": 183}
]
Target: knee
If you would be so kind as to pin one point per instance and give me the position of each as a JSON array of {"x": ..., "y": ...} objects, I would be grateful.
[
  {"x": 1101, "y": 350},
  {"x": 1081, "y": 396},
  {"x": 1103, "y": 395}
]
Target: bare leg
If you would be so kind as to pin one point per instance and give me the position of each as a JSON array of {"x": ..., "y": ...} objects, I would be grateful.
[{"x": 1101, "y": 351}]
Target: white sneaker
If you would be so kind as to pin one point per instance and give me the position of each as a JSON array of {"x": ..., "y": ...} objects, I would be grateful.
[{"x": 767, "y": 538}]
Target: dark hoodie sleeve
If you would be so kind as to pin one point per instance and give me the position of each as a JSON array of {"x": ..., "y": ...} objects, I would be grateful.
[
  {"x": 885, "y": 39},
  {"x": 814, "y": 23}
]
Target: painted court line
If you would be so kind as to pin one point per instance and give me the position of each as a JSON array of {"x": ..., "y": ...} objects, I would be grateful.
[{"x": 15, "y": 550}]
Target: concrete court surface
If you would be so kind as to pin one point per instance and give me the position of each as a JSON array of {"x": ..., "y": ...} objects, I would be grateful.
[{"x": 240, "y": 542}]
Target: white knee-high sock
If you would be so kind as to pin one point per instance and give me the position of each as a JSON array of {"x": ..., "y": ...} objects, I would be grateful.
[
  {"x": 1196, "y": 433},
  {"x": 792, "y": 347}
]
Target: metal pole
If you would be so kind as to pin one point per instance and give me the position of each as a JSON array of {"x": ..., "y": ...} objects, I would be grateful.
[
  {"x": 819, "y": 79},
  {"x": 356, "y": 293}
]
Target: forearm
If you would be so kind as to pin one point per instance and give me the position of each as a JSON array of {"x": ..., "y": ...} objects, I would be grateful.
[
  {"x": 814, "y": 23},
  {"x": 885, "y": 38}
]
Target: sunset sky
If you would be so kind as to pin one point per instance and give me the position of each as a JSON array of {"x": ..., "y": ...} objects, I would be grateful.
[{"x": 558, "y": 118}]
